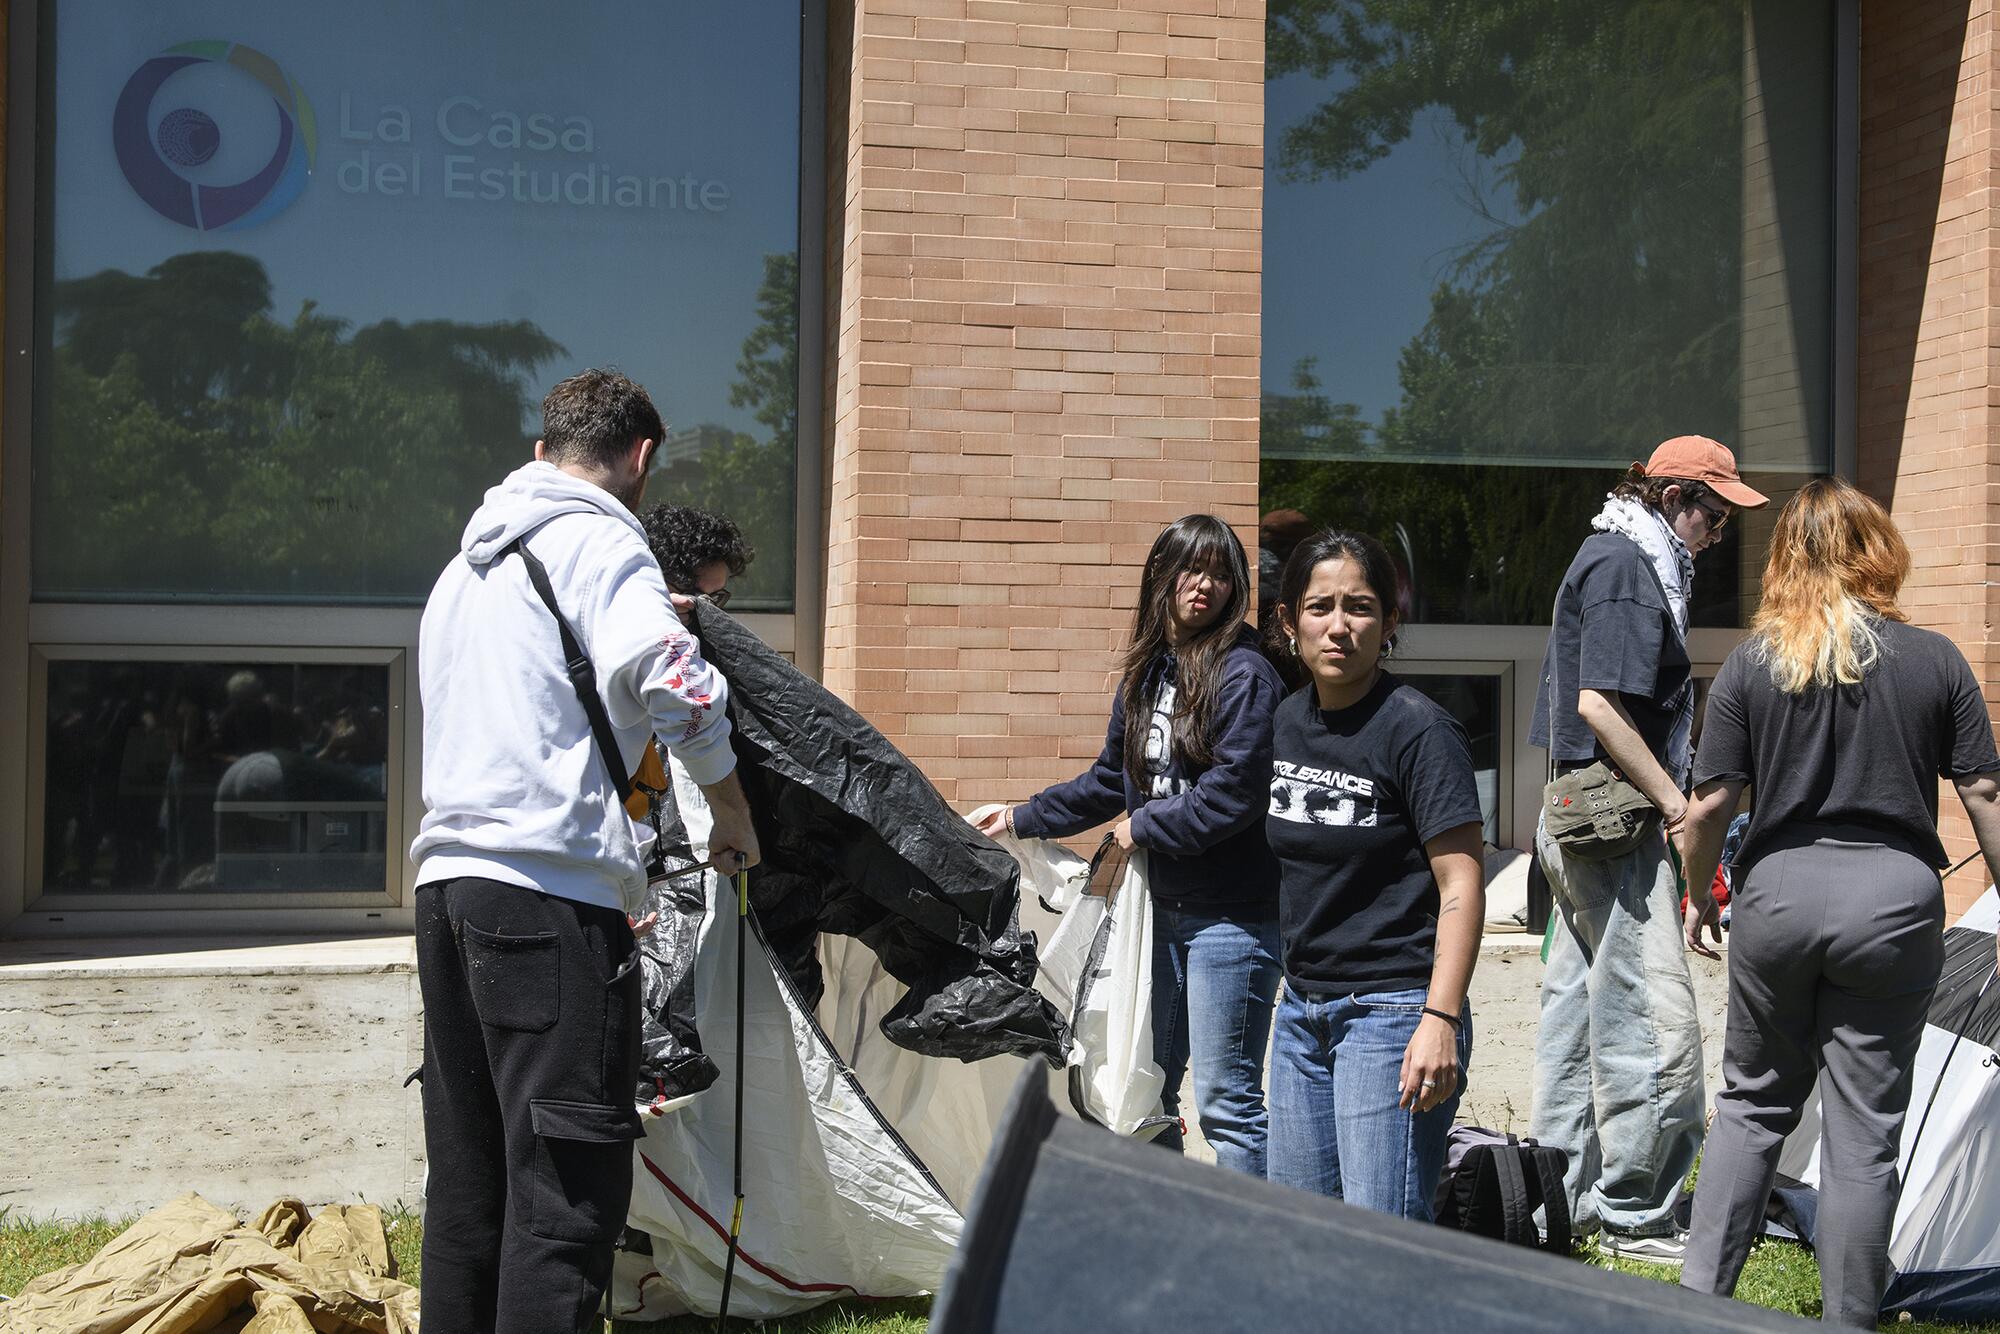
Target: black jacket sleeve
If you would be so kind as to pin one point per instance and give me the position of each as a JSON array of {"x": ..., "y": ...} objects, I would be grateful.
[
  {"x": 1235, "y": 791},
  {"x": 1092, "y": 797}
]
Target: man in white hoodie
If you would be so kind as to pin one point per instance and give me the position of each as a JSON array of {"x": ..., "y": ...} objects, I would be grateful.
[{"x": 528, "y": 864}]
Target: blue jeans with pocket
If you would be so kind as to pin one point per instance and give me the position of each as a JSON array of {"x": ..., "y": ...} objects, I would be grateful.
[
  {"x": 1337, "y": 1128},
  {"x": 1215, "y": 980},
  {"x": 1618, "y": 1078}
]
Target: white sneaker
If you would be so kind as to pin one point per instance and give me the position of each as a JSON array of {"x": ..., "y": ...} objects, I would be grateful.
[{"x": 1667, "y": 1250}]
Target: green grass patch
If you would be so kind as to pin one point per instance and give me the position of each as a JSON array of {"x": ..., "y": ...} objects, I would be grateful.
[
  {"x": 1783, "y": 1276},
  {"x": 28, "y": 1248}
]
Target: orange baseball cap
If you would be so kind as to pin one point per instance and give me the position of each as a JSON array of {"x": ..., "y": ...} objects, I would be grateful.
[{"x": 1696, "y": 458}]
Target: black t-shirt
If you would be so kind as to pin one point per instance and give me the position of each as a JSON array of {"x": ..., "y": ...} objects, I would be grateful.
[
  {"x": 1355, "y": 793},
  {"x": 1867, "y": 755},
  {"x": 1613, "y": 631}
]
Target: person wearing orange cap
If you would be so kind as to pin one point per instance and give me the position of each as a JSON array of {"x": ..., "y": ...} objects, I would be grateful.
[{"x": 1618, "y": 1065}]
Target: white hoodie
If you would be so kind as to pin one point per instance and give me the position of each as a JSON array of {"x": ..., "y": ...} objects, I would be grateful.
[{"x": 514, "y": 789}]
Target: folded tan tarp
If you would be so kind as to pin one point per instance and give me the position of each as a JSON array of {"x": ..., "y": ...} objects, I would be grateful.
[{"x": 189, "y": 1267}]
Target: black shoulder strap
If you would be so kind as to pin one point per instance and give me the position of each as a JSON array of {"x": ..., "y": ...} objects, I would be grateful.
[
  {"x": 1549, "y": 1164},
  {"x": 581, "y": 674},
  {"x": 1517, "y": 1212}
]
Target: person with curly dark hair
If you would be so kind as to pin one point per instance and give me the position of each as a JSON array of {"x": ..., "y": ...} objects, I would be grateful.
[{"x": 699, "y": 550}]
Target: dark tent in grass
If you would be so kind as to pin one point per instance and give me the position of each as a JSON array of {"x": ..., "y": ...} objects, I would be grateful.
[{"x": 1078, "y": 1231}]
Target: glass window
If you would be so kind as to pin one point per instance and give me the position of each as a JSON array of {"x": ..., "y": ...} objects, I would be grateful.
[
  {"x": 1475, "y": 701},
  {"x": 215, "y": 776},
  {"x": 1508, "y": 249},
  {"x": 310, "y": 270}
]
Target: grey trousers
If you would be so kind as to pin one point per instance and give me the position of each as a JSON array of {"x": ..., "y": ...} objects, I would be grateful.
[{"x": 1835, "y": 948}]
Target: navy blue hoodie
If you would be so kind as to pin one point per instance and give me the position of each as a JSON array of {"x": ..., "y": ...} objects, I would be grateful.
[{"x": 1204, "y": 830}]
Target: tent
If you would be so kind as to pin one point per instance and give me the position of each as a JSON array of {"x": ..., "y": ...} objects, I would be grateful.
[
  {"x": 890, "y": 1001},
  {"x": 1077, "y": 1231},
  {"x": 1944, "y": 1246},
  {"x": 859, "y": 1155}
]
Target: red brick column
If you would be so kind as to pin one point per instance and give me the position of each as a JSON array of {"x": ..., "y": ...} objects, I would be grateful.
[
  {"x": 1928, "y": 407},
  {"x": 1045, "y": 335}
]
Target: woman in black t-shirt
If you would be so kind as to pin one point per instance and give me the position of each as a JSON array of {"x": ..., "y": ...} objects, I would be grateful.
[
  {"x": 1375, "y": 822},
  {"x": 1843, "y": 717}
]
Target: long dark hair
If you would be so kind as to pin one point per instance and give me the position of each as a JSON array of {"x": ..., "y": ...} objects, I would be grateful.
[
  {"x": 1378, "y": 567},
  {"x": 1197, "y": 542}
]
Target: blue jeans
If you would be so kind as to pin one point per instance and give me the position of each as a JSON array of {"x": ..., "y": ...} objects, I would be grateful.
[
  {"x": 1215, "y": 979},
  {"x": 1336, "y": 1126},
  {"x": 1618, "y": 1083}
]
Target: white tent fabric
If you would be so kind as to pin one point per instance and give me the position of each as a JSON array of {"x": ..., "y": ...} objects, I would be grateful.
[
  {"x": 1097, "y": 968},
  {"x": 1945, "y": 1243},
  {"x": 858, "y": 1156},
  {"x": 834, "y": 1205}
]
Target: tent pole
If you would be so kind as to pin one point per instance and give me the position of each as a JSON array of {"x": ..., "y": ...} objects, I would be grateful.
[{"x": 736, "y": 1168}]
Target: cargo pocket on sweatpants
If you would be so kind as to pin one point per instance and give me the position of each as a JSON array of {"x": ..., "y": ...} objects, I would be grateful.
[
  {"x": 515, "y": 981},
  {"x": 582, "y": 1182}
]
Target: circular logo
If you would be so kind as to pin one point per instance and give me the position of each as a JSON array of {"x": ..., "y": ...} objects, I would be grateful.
[{"x": 153, "y": 154}]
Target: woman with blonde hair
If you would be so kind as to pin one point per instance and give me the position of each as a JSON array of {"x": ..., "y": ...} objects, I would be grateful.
[{"x": 1843, "y": 717}]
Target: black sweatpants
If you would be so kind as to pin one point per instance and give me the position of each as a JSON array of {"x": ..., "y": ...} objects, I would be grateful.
[{"x": 530, "y": 1057}]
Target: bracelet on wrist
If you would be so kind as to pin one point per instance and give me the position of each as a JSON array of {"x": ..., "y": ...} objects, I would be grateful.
[{"x": 1457, "y": 1023}]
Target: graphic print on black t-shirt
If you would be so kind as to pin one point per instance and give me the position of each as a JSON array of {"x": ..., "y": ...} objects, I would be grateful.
[
  {"x": 1307, "y": 795},
  {"x": 1159, "y": 752},
  {"x": 1356, "y": 793}
]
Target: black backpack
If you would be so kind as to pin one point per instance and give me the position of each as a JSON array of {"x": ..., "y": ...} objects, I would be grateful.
[{"x": 1493, "y": 1183}]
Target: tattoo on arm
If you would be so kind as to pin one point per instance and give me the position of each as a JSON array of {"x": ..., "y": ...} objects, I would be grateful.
[{"x": 1450, "y": 907}]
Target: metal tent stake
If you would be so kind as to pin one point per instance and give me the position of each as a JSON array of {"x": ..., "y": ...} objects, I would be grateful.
[{"x": 736, "y": 1169}]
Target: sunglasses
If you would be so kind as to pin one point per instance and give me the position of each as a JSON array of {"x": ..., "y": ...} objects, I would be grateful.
[
  {"x": 1716, "y": 518},
  {"x": 718, "y": 599}
]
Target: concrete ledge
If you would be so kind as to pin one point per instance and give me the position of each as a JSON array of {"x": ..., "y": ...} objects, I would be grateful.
[
  {"x": 139, "y": 1069},
  {"x": 172, "y": 956}
]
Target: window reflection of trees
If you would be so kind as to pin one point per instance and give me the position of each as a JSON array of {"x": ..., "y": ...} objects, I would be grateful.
[
  {"x": 195, "y": 446},
  {"x": 1599, "y": 312},
  {"x": 751, "y": 477},
  {"x": 198, "y": 446}
]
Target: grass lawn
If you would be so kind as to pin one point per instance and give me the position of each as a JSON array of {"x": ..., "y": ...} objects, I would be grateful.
[
  {"x": 1785, "y": 1277},
  {"x": 1780, "y": 1275}
]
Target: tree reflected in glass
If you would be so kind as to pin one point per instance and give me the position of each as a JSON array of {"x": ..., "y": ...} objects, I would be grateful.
[{"x": 1601, "y": 170}]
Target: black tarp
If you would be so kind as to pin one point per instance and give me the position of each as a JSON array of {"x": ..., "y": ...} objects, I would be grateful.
[
  {"x": 1076, "y": 1229},
  {"x": 1966, "y": 1002},
  {"x": 856, "y": 841}
]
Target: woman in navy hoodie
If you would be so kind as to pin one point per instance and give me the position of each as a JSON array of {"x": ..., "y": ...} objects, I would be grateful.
[{"x": 1190, "y": 774}]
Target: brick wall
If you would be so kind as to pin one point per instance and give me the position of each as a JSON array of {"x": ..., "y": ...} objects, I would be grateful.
[
  {"x": 1926, "y": 408},
  {"x": 1045, "y": 338}
]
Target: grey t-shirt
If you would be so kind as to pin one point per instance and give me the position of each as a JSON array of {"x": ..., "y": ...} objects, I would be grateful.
[
  {"x": 1612, "y": 631},
  {"x": 1867, "y": 755}
]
